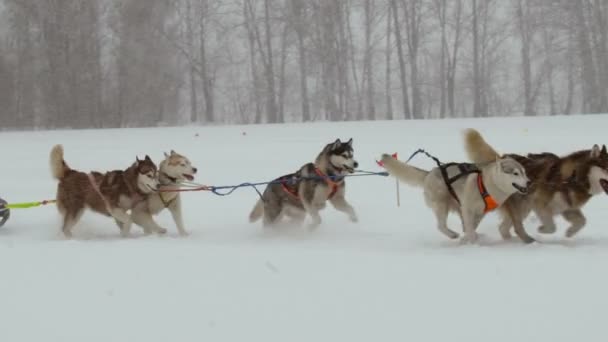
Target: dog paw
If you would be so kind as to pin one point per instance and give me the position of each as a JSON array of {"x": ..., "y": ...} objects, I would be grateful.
[
  {"x": 452, "y": 235},
  {"x": 506, "y": 236},
  {"x": 353, "y": 218},
  {"x": 570, "y": 232},
  {"x": 161, "y": 231},
  {"x": 546, "y": 230},
  {"x": 528, "y": 240},
  {"x": 469, "y": 238},
  {"x": 184, "y": 233}
]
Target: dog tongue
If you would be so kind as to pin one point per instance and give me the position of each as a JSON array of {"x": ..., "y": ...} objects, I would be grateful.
[{"x": 189, "y": 177}]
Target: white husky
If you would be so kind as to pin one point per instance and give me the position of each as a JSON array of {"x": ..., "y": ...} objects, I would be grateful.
[
  {"x": 469, "y": 189},
  {"x": 172, "y": 171}
]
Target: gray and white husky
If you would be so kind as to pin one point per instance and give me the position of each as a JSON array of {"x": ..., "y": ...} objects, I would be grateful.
[
  {"x": 307, "y": 190},
  {"x": 475, "y": 189},
  {"x": 172, "y": 171}
]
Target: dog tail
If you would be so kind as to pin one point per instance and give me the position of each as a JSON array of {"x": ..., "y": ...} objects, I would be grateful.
[
  {"x": 257, "y": 211},
  {"x": 404, "y": 172},
  {"x": 478, "y": 150},
  {"x": 58, "y": 165}
]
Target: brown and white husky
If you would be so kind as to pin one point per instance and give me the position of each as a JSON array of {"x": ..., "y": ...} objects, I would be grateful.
[{"x": 112, "y": 193}]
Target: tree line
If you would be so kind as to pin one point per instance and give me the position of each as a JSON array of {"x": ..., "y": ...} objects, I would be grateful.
[{"x": 124, "y": 63}]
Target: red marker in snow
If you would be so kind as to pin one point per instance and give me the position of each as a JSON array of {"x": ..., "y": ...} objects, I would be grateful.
[{"x": 381, "y": 164}]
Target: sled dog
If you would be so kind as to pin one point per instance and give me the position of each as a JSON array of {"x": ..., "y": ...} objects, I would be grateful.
[
  {"x": 468, "y": 189},
  {"x": 307, "y": 190},
  {"x": 112, "y": 193},
  {"x": 560, "y": 185},
  {"x": 172, "y": 171}
]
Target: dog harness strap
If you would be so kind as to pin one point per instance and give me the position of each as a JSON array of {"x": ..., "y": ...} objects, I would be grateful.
[
  {"x": 98, "y": 191},
  {"x": 448, "y": 181},
  {"x": 290, "y": 191},
  {"x": 333, "y": 185},
  {"x": 488, "y": 200},
  {"x": 166, "y": 203}
]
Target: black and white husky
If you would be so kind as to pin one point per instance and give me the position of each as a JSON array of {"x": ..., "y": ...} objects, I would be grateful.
[{"x": 307, "y": 190}]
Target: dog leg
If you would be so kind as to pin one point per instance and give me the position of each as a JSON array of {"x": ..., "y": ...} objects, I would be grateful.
[
  {"x": 313, "y": 202},
  {"x": 505, "y": 228},
  {"x": 313, "y": 211},
  {"x": 546, "y": 218},
  {"x": 70, "y": 220},
  {"x": 297, "y": 215},
  {"x": 515, "y": 218},
  {"x": 119, "y": 224},
  {"x": 339, "y": 202},
  {"x": 179, "y": 221},
  {"x": 144, "y": 219},
  {"x": 272, "y": 212},
  {"x": 576, "y": 219},
  {"x": 441, "y": 212},
  {"x": 68, "y": 224},
  {"x": 122, "y": 216},
  {"x": 471, "y": 221},
  {"x": 176, "y": 213}
]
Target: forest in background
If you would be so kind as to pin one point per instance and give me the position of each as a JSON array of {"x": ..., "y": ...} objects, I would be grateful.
[{"x": 127, "y": 63}]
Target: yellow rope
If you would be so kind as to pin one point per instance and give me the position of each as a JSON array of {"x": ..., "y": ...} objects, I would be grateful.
[{"x": 26, "y": 205}]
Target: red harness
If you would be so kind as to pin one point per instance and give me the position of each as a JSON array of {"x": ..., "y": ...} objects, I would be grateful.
[
  {"x": 488, "y": 200},
  {"x": 292, "y": 191},
  {"x": 334, "y": 186}
]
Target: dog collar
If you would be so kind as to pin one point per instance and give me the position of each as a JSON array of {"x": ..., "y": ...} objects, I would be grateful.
[
  {"x": 488, "y": 200},
  {"x": 171, "y": 179}
]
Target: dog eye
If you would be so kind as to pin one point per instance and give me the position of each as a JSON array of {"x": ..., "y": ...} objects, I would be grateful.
[{"x": 516, "y": 173}]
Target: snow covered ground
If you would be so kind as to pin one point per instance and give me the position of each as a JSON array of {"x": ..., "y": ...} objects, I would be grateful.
[{"x": 390, "y": 277}]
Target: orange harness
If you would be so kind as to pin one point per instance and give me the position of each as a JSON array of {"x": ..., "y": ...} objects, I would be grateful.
[
  {"x": 293, "y": 191},
  {"x": 466, "y": 169},
  {"x": 488, "y": 200}
]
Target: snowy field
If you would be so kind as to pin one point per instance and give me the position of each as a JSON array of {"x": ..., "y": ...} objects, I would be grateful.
[{"x": 390, "y": 277}]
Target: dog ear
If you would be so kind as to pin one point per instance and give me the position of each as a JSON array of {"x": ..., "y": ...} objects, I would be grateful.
[
  {"x": 166, "y": 155},
  {"x": 595, "y": 151},
  {"x": 350, "y": 142},
  {"x": 336, "y": 144},
  {"x": 148, "y": 158},
  {"x": 603, "y": 151},
  {"x": 137, "y": 159},
  {"x": 173, "y": 153}
]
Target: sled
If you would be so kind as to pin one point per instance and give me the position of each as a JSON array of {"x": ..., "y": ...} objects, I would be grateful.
[{"x": 5, "y": 212}]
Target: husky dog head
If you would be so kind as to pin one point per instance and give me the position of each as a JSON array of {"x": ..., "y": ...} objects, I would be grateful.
[
  {"x": 147, "y": 180},
  {"x": 341, "y": 156},
  {"x": 511, "y": 176},
  {"x": 177, "y": 167},
  {"x": 598, "y": 172}
]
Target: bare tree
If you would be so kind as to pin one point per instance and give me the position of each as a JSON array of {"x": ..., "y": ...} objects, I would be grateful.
[
  {"x": 388, "y": 76},
  {"x": 401, "y": 58},
  {"x": 526, "y": 32},
  {"x": 298, "y": 8},
  {"x": 413, "y": 18},
  {"x": 148, "y": 62}
]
